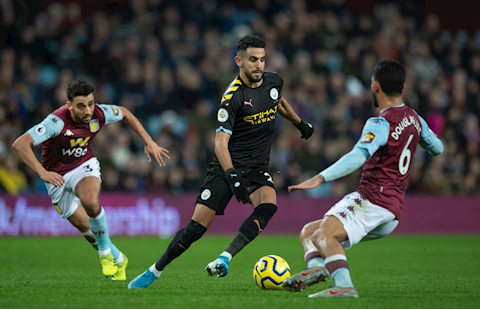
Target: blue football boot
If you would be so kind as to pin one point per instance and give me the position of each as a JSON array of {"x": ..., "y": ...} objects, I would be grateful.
[
  {"x": 218, "y": 267},
  {"x": 143, "y": 281}
]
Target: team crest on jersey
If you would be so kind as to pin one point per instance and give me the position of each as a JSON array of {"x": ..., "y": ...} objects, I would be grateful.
[
  {"x": 94, "y": 125},
  {"x": 274, "y": 93},
  {"x": 367, "y": 138},
  {"x": 40, "y": 130},
  {"x": 222, "y": 115},
  {"x": 206, "y": 194}
]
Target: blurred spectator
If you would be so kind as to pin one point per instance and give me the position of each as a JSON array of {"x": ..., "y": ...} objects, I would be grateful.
[
  {"x": 170, "y": 63},
  {"x": 12, "y": 179}
]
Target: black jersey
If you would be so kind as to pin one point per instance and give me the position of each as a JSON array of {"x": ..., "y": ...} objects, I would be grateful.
[{"x": 248, "y": 115}]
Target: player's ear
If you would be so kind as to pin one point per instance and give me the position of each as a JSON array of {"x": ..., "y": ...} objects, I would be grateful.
[
  {"x": 376, "y": 86},
  {"x": 238, "y": 61},
  {"x": 69, "y": 105}
]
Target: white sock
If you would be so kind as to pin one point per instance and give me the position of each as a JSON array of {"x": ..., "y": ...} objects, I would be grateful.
[
  {"x": 120, "y": 258},
  {"x": 155, "y": 271},
  {"x": 104, "y": 252},
  {"x": 227, "y": 255}
]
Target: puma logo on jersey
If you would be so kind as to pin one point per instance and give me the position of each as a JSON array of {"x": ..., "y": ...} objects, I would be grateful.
[
  {"x": 68, "y": 133},
  {"x": 248, "y": 103}
]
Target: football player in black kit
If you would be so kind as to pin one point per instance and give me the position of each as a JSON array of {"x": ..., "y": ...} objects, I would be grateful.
[{"x": 246, "y": 122}]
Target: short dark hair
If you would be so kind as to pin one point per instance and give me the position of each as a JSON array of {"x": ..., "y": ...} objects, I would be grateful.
[
  {"x": 78, "y": 88},
  {"x": 391, "y": 76},
  {"x": 250, "y": 41}
]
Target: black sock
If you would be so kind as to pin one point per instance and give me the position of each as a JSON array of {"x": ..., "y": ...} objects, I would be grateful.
[
  {"x": 252, "y": 227},
  {"x": 180, "y": 243},
  {"x": 237, "y": 244}
]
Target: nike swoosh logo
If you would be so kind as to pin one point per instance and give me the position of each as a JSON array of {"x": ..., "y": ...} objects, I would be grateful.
[
  {"x": 309, "y": 272},
  {"x": 333, "y": 293}
]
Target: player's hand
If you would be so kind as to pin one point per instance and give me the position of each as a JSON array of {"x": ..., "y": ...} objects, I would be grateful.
[
  {"x": 305, "y": 128},
  {"x": 308, "y": 184},
  {"x": 152, "y": 149},
  {"x": 53, "y": 178},
  {"x": 238, "y": 185}
]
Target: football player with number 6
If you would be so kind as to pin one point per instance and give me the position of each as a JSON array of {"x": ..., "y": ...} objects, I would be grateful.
[{"x": 385, "y": 150}]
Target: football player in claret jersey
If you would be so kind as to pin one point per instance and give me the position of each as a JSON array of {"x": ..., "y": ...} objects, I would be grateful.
[
  {"x": 72, "y": 172},
  {"x": 246, "y": 122},
  {"x": 385, "y": 150}
]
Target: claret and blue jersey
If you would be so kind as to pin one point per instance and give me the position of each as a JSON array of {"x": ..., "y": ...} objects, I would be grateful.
[
  {"x": 67, "y": 144},
  {"x": 386, "y": 147}
]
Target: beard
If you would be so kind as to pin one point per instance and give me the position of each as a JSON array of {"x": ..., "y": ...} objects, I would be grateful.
[
  {"x": 252, "y": 79},
  {"x": 79, "y": 119},
  {"x": 374, "y": 100}
]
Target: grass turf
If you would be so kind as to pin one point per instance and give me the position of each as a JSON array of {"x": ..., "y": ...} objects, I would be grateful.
[{"x": 394, "y": 272}]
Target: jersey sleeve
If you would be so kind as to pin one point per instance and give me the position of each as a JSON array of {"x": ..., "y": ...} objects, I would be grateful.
[
  {"x": 112, "y": 113},
  {"x": 428, "y": 140},
  {"x": 229, "y": 107},
  {"x": 347, "y": 164},
  {"x": 280, "y": 84},
  {"x": 374, "y": 134},
  {"x": 49, "y": 128}
]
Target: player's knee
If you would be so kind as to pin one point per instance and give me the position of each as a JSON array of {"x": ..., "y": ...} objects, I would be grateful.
[
  {"x": 307, "y": 231},
  {"x": 258, "y": 220},
  {"x": 264, "y": 213},
  {"x": 192, "y": 232},
  {"x": 91, "y": 205},
  {"x": 324, "y": 238},
  {"x": 319, "y": 239}
]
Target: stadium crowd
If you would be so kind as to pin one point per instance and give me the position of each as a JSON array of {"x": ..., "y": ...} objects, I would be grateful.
[{"x": 170, "y": 61}]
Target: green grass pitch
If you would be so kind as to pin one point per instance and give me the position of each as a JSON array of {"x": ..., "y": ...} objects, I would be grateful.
[{"x": 394, "y": 272}]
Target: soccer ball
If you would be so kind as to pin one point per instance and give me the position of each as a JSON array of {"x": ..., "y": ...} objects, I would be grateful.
[{"x": 270, "y": 271}]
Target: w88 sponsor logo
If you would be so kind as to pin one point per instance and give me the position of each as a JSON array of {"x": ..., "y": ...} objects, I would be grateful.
[
  {"x": 76, "y": 151},
  {"x": 77, "y": 148}
]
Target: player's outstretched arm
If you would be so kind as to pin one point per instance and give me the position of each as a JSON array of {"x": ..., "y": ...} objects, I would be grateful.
[
  {"x": 347, "y": 164},
  {"x": 287, "y": 112},
  {"x": 151, "y": 148},
  {"x": 308, "y": 184},
  {"x": 23, "y": 147}
]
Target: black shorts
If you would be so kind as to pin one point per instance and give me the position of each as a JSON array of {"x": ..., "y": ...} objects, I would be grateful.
[{"x": 215, "y": 192}]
